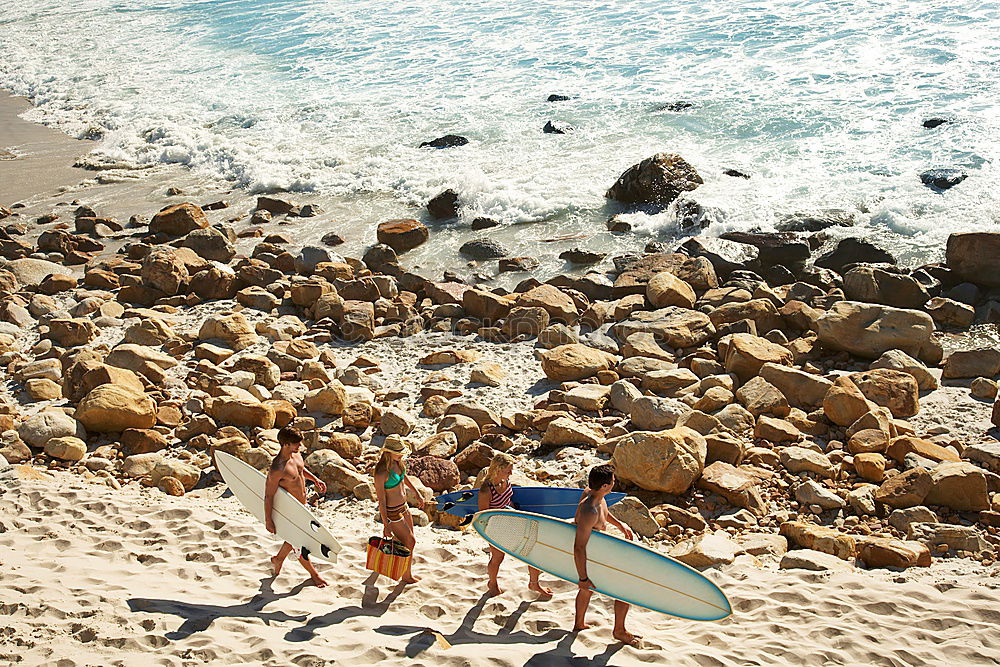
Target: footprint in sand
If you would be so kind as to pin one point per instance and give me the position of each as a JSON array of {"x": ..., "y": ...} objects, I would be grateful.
[{"x": 432, "y": 611}]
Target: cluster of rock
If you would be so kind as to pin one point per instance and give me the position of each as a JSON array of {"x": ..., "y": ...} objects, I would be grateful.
[{"x": 750, "y": 400}]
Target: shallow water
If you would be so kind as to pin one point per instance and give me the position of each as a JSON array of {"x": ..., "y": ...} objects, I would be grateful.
[{"x": 821, "y": 102}]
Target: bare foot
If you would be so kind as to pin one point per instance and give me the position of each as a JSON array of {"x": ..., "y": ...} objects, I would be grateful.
[
  {"x": 410, "y": 579},
  {"x": 580, "y": 627},
  {"x": 318, "y": 580},
  {"x": 627, "y": 637},
  {"x": 544, "y": 593},
  {"x": 494, "y": 590},
  {"x": 276, "y": 565}
]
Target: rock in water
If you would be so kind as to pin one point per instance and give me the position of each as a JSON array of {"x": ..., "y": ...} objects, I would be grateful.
[
  {"x": 447, "y": 141},
  {"x": 402, "y": 235},
  {"x": 483, "y": 249},
  {"x": 557, "y": 98},
  {"x": 942, "y": 179},
  {"x": 659, "y": 180},
  {"x": 854, "y": 251},
  {"x": 444, "y": 205},
  {"x": 931, "y": 123},
  {"x": 178, "y": 220},
  {"x": 557, "y": 127}
]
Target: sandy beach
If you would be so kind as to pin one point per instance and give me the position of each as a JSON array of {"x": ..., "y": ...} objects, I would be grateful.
[
  {"x": 132, "y": 577},
  {"x": 804, "y": 420}
]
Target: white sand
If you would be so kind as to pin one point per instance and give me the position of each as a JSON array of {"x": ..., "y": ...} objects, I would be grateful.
[{"x": 94, "y": 576}]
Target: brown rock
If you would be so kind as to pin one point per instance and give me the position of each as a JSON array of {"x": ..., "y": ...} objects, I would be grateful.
[
  {"x": 868, "y": 330},
  {"x": 902, "y": 445},
  {"x": 746, "y": 354},
  {"x": 403, "y": 234},
  {"x": 759, "y": 396},
  {"x": 170, "y": 486},
  {"x": 668, "y": 461},
  {"x": 676, "y": 327},
  {"x": 885, "y": 552},
  {"x": 111, "y": 408},
  {"x": 907, "y": 489},
  {"x": 803, "y": 390},
  {"x": 575, "y": 362},
  {"x": 960, "y": 486},
  {"x": 666, "y": 289},
  {"x": 819, "y": 538},
  {"x": 844, "y": 403},
  {"x": 868, "y": 440},
  {"x": 896, "y": 390},
  {"x": 695, "y": 271},
  {"x": 870, "y": 466},
  {"x": 984, "y": 362},
  {"x": 242, "y": 412},
  {"x": 142, "y": 441},
  {"x": 72, "y": 332},
  {"x": 975, "y": 257},
  {"x": 737, "y": 486},
  {"x": 436, "y": 474},
  {"x": 556, "y": 303},
  {"x": 178, "y": 220}
]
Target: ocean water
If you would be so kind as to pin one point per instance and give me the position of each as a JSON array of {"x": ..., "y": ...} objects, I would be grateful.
[{"x": 821, "y": 103}]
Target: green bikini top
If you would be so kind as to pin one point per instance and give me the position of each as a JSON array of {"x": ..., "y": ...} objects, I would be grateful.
[{"x": 393, "y": 480}]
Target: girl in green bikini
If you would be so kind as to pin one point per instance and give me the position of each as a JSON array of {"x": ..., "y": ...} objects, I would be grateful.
[{"x": 390, "y": 487}]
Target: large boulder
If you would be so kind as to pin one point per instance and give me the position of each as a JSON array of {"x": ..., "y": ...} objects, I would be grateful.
[
  {"x": 557, "y": 303},
  {"x": 242, "y": 412},
  {"x": 39, "y": 428},
  {"x": 900, "y": 361},
  {"x": 666, "y": 289},
  {"x": 436, "y": 474},
  {"x": 575, "y": 362},
  {"x": 67, "y": 448},
  {"x": 636, "y": 516},
  {"x": 907, "y": 489},
  {"x": 402, "y": 235},
  {"x": 975, "y": 257},
  {"x": 983, "y": 362},
  {"x": 653, "y": 413},
  {"x": 745, "y": 355},
  {"x": 233, "y": 329},
  {"x": 210, "y": 244},
  {"x": 819, "y": 538},
  {"x": 896, "y": 390},
  {"x": 659, "y": 179},
  {"x": 885, "y": 552},
  {"x": 668, "y": 461},
  {"x": 110, "y": 408},
  {"x": 736, "y": 485},
  {"x": 960, "y": 486},
  {"x": 801, "y": 389},
  {"x": 900, "y": 446},
  {"x": 178, "y": 220},
  {"x": 853, "y": 251},
  {"x": 328, "y": 400},
  {"x": 876, "y": 285},
  {"x": 70, "y": 332},
  {"x": 844, "y": 403},
  {"x": 677, "y": 327},
  {"x": 339, "y": 475},
  {"x": 868, "y": 330},
  {"x": 635, "y": 275}
]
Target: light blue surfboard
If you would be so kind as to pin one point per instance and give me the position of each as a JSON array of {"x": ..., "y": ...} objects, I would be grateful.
[
  {"x": 619, "y": 568},
  {"x": 560, "y": 502}
]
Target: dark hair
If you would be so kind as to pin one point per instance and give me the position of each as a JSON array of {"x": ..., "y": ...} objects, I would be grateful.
[
  {"x": 289, "y": 436},
  {"x": 600, "y": 475}
]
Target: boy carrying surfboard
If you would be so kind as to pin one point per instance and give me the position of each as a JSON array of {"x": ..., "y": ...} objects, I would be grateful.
[
  {"x": 288, "y": 471},
  {"x": 592, "y": 514}
]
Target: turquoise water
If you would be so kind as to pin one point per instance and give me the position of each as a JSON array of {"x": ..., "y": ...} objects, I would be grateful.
[{"x": 821, "y": 102}]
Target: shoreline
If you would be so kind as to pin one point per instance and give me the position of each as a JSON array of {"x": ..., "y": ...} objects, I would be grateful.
[{"x": 43, "y": 156}]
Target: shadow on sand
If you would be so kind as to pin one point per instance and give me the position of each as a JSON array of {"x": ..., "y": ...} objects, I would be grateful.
[
  {"x": 198, "y": 617},
  {"x": 424, "y": 637},
  {"x": 369, "y": 607}
]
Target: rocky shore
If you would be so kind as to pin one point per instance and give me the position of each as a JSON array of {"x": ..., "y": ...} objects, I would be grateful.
[{"x": 755, "y": 396}]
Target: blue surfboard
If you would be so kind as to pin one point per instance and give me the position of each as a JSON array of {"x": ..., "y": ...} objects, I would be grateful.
[{"x": 560, "y": 502}]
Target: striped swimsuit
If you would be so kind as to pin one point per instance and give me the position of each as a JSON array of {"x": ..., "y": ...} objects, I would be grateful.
[{"x": 499, "y": 501}]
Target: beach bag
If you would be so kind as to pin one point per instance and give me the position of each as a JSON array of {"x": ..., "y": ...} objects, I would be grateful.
[{"x": 387, "y": 557}]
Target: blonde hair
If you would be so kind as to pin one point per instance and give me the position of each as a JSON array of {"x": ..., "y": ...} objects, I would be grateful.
[
  {"x": 500, "y": 461},
  {"x": 382, "y": 465}
]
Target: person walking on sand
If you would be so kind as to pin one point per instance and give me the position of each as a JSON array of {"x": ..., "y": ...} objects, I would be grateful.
[
  {"x": 592, "y": 514},
  {"x": 390, "y": 488},
  {"x": 288, "y": 471},
  {"x": 497, "y": 493}
]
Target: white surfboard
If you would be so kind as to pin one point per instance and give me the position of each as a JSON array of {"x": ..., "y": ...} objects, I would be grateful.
[
  {"x": 293, "y": 522},
  {"x": 619, "y": 568}
]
